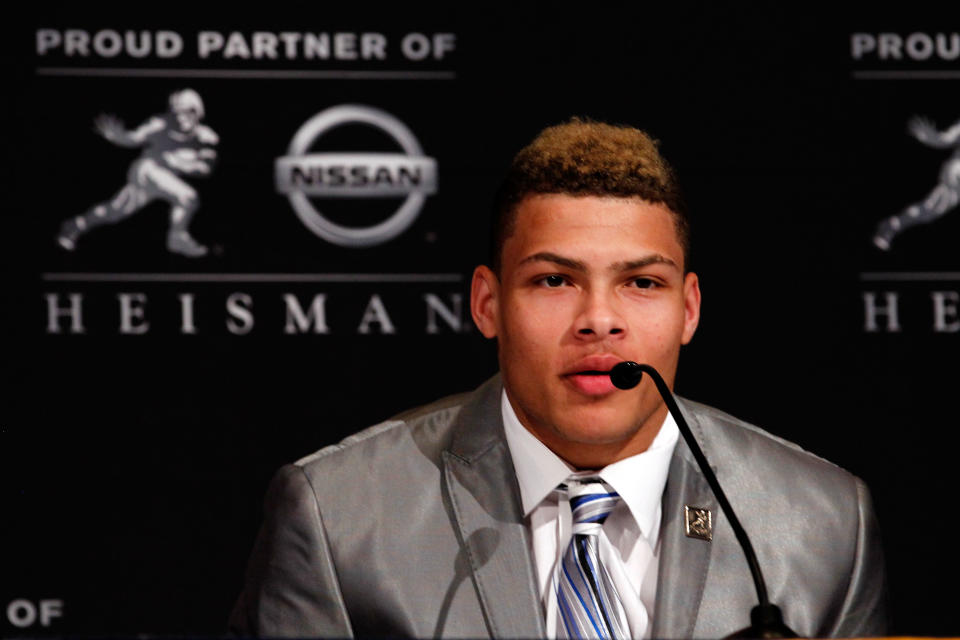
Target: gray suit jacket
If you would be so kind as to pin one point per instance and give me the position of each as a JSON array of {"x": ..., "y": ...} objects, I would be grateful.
[{"x": 414, "y": 528}]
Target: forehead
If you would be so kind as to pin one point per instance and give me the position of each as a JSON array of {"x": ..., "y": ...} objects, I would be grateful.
[{"x": 598, "y": 227}]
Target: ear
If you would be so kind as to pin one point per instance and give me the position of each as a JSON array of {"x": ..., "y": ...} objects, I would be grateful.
[
  {"x": 691, "y": 306},
  {"x": 484, "y": 300}
]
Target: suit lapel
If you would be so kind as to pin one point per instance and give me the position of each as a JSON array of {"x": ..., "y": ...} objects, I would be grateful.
[
  {"x": 482, "y": 487},
  {"x": 684, "y": 561}
]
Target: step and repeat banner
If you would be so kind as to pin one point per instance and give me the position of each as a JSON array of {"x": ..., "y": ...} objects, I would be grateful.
[{"x": 230, "y": 240}]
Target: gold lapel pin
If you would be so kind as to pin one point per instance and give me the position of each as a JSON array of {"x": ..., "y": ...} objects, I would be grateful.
[{"x": 699, "y": 523}]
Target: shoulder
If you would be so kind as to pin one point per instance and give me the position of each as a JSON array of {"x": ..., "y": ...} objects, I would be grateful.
[
  {"x": 419, "y": 433},
  {"x": 206, "y": 135},
  {"x": 733, "y": 435},
  {"x": 810, "y": 522},
  {"x": 396, "y": 462},
  {"x": 795, "y": 504},
  {"x": 154, "y": 124},
  {"x": 746, "y": 453}
]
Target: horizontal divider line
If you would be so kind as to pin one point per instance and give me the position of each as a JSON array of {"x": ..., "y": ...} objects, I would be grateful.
[
  {"x": 272, "y": 74},
  {"x": 918, "y": 74},
  {"x": 910, "y": 276},
  {"x": 252, "y": 277}
]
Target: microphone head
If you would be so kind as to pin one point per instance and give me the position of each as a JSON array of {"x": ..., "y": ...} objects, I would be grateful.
[{"x": 626, "y": 375}]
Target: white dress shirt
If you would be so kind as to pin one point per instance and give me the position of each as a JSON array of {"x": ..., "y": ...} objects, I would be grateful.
[{"x": 630, "y": 534}]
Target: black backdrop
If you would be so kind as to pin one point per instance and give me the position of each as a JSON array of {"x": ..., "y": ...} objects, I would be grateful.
[{"x": 134, "y": 464}]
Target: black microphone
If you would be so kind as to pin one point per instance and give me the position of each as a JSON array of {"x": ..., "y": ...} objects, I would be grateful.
[{"x": 766, "y": 620}]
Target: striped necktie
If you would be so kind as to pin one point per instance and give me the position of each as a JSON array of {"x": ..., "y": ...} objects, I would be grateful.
[{"x": 587, "y": 601}]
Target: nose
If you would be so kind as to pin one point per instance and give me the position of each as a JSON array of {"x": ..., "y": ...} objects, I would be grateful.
[{"x": 599, "y": 318}]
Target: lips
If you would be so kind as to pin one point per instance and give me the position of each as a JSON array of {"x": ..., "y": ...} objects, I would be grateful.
[{"x": 591, "y": 375}]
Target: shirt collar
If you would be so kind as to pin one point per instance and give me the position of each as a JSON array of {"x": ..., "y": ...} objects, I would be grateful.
[
  {"x": 639, "y": 479},
  {"x": 539, "y": 470}
]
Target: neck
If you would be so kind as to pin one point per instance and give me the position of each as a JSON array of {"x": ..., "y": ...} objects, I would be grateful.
[{"x": 586, "y": 456}]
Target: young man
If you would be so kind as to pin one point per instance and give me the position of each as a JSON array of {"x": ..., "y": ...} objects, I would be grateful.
[{"x": 547, "y": 503}]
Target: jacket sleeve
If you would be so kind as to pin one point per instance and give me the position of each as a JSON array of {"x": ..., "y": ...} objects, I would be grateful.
[
  {"x": 291, "y": 588},
  {"x": 863, "y": 612}
]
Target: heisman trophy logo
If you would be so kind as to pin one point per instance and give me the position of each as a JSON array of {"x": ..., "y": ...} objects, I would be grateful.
[
  {"x": 301, "y": 174},
  {"x": 174, "y": 146},
  {"x": 944, "y": 196}
]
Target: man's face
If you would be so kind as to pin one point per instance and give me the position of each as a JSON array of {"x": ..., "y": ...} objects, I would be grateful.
[
  {"x": 585, "y": 283},
  {"x": 187, "y": 119}
]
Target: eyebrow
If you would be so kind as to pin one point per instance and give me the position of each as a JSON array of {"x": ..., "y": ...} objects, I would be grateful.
[
  {"x": 577, "y": 265},
  {"x": 656, "y": 258},
  {"x": 546, "y": 256}
]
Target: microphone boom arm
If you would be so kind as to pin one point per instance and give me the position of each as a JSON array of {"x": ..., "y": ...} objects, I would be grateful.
[{"x": 766, "y": 619}]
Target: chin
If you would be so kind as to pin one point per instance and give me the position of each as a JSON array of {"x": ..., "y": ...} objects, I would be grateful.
[{"x": 602, "y": 433}]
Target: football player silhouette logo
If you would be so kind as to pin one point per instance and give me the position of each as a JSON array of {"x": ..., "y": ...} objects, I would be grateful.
[
  {"x": 944, "y": 196},
  {"x": 175, "y": 146}
]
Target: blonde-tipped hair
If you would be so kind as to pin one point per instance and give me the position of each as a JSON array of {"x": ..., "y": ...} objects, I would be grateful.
[{"x": 586, "y": 158}]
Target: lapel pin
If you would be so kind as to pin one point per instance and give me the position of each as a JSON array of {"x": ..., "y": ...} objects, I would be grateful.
[{"x": 699, "y": 523}]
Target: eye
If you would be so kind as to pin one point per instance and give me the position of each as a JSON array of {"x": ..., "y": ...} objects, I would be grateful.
[
  {"x": 643, "y": 283},
  {"x": 553, "y": 281}
]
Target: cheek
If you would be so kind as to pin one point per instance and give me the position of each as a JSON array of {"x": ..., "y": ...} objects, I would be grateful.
[
  {"x": 662, "y": 331},
  {"x": 536, "y": 320},
  {"x": 531, "y": 342}
]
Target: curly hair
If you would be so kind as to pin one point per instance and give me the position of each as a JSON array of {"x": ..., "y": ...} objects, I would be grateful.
[{"x": 586, "y": 158}]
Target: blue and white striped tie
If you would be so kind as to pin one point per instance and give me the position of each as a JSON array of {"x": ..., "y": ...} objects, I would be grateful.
[{"x": 588, "y": 605}]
